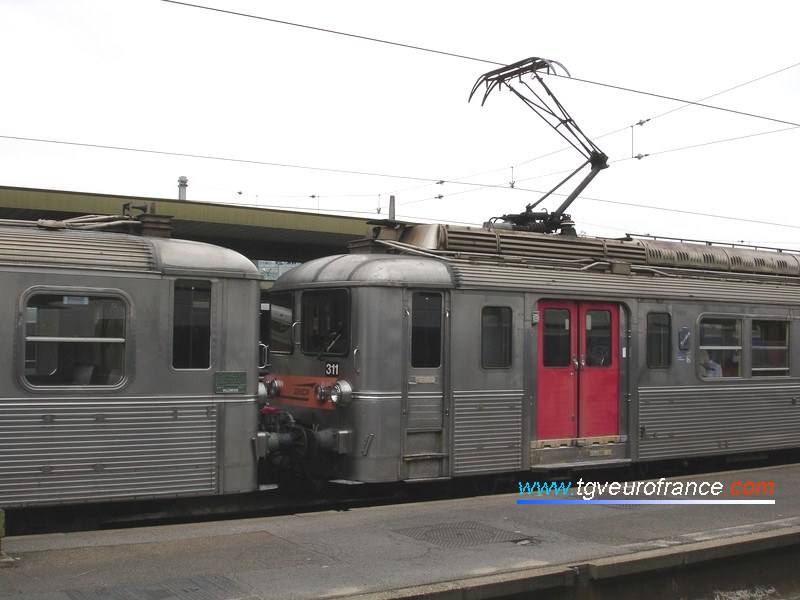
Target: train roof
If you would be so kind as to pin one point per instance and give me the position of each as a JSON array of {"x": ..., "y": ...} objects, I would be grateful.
[
  {"x": 369, "y": 269},
  {"x": 586, "y": 267},
  {"x": 505, "y": 246},
  {"x": 43, "y": 246},
  {"x": 438, "y": 272}
]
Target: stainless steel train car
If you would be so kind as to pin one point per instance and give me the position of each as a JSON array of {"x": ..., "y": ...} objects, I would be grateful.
[
  {"x": 435, "y": 351},
  {"x": 129, "y": 367}
]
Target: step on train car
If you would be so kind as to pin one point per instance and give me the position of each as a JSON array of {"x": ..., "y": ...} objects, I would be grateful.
[
  {"x": 435, "y": 351},
  {"x": 130, "y": 366}
]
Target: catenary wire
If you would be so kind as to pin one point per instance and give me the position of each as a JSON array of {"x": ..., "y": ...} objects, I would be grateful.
[
  {"x": 672, "y": 98},
  {"x": 703, "y": 144},
  {"x": 475, "y": 186},
  {"x": 472, "y": 58},
  {"x": 450, "y": 54},
  {"x": 660, "y": 208},
  {"x": 333, "y": 31},
  {"x": 655, "y": 153},
  {"x": 685, "y": 103},
  {"x": 429, "y": 181},
  {"x": 650, "y": 119},
  {"x": 211, "y": 157},
  {"x": 642, "y": 122},
  {"x": 730, "y": 89}
]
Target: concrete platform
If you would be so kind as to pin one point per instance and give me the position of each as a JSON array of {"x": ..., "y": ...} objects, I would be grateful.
[{"x": 471, "y": 548}]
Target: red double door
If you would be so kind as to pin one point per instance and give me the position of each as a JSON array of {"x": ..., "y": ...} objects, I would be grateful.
[{"x": 578, "y": 370}]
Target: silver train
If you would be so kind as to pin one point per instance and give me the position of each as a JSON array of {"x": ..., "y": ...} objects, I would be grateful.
[
  {"x": 132, "y": 362},
  {"x": 433, "y": 352},
  {"x": 130, "y": 367}
]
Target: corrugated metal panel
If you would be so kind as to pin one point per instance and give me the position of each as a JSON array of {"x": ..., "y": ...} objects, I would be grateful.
[
  {"x": 487, "y": 431},
  {"x": 589, "y": 284},
  {"x": 80, "y": 452},
  {"x": 515, "y": 243},
  {"x": 714, "y": 419},
  {"x": 424, "y": 410},
  {"x": 720, "y": 258},
  {"x": 31, "y": 246},
  {"x": 664, "y": 253}
]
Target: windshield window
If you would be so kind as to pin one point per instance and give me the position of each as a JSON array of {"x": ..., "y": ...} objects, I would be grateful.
[
  {"x": 325, "y": 322},
  {"x": 280, "y": 324}
]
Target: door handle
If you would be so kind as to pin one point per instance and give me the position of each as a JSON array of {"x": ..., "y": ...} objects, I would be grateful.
[
  {"x": 583, "y": 361},
  {"x": 575, "y": 362}
]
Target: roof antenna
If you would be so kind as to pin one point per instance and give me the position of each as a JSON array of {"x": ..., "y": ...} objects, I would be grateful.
[{"x": 554, "y": 114}]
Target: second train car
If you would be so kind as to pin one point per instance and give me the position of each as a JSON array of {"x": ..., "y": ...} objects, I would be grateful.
[{"x": 435, "y": 351}]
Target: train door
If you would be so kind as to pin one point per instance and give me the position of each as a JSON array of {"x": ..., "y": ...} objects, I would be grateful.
[
  {"x": 578, "y": 371},
  {"x": 486, "y": 382},
  {"x": 423, "y": 401}
]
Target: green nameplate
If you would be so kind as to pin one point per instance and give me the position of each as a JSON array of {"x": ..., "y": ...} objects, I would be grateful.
[{"x": 230, "y": 382}]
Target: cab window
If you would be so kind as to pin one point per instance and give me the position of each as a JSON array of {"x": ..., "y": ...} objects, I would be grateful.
[
  {"x": 325, "y": 322},
  {"x": 281, "y": 317}
]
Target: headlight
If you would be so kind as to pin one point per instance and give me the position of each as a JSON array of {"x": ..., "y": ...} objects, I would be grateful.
[
  {"x": 341, "y": 393},
  {"x": 322, "y": 393}
]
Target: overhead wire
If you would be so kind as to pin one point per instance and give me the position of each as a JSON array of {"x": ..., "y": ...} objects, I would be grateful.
[
  {"x": 704, "y": 144},
  {"x": 658, "y": 116},
  {"x": 212, "y": 157},
  {"x": 333, "y": 31},
  {"x": 730, "y": 89},
  {"x": 659, "y": 208},
  {"x": 686, "y": 104},
  {"x": 473, "y": 184},
  {"x": 655, "y": 153},
  {"x": 487, "y": 61},
  {"x": 674, "y": 99},
  {"x": 493, "y": 62},
  {"x": 642, "y": 122},
  {"x": 429, "y": 181}
]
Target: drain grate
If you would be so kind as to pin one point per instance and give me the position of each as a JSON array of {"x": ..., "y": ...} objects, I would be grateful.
[
  {"x": 205, "y": 588},
  {"x": 460, "y": 535}
]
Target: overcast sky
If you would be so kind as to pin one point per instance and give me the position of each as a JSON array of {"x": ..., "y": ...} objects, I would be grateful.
[{"x": 157, "y": 76}]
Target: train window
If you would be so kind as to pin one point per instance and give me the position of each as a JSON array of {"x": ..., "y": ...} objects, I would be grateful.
[
  {"x": 426, "y": 330},
  {"x": 770, "y": 343},
  {"x": 659, "y": 340},
  {"x": 191, "y": 325},
  {"x": 280, "y": 322},
  {"x": 556, "y": 338},
  {"x": 598, "y": 338},
  {"x": 720, "y": 351},
  {"x": 325, "y": 319},
  {"x": 496, "y": 337},
  {"x": 74, "y": 340}
]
